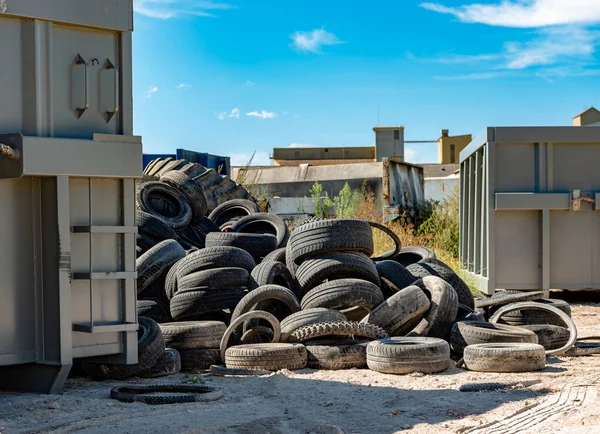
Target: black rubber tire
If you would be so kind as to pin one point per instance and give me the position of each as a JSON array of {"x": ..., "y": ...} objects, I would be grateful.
[
  {"x": 270, "y": 357},
  {"x": 395, "y": 273},
  {"x": 550, "y": 336},
  {"x": 388, "y": 288},
  {"x": 258, "y": 245},
  {"x": 412, "y": 254},
  {"x": 156, "y": 261},
  {"x": 192, "y": 192},
  {"x": 199, "y": 359},
  {"x": 190, "y": 305},
  {"x": 264, "y": 223},
  {"x": 168, "y": 364},
  {"x": 174, "y": 394},
  {"x": 273, "y": 273},
  {"x": 193, "y": 335},
  {"x": 337, "y": 354},
  {"x": 472, "y": 332},
  {"x": 397, "y": 243},
  {"x": 290, "y": 264},
  {"x": 438, "y": 320},
  {"x": 344, "y": 293},
  {"x": 220, "y": 370},
  {"x": 400, "y": 355},
  {"x": 233, "y": 208},
  {"x": 276, "y": 255},
  {"x": 170, "y": 166},
  {"x": 151, "y": 346},
  {"x": 505, "y": 357},
  {"x": 307, "y": 317},
  {"x": 255, "y": 300},
  {"x": 217, "y": 278},
  {"x": 257, "y": 335},
  {"x": 207, "y": 259},
  {"x": 246, "y": 318},
  {"x": 434, "y": 267},
  {"x": 153, "y": 227},
  {"x": 502, "y": 298},
  {"x": 157, "y": 164},
  {"x": 195, "y": 233},
  {"x": 175, "y": 209},
  {"x": 337, "y": 328},
  {"x": 405, "y": 307},
  {"x": 465, "y": 313},
  {"x": 154, "y": 309},
  {"x": 329, "y": 236},
  {"x": 328, "y": 267},
  {"x": 531, "y": 316}
]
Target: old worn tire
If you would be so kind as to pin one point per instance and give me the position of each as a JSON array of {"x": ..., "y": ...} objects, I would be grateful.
[
  {"x": 268, "y": 293},
  {"x": 395, "y": 273},
  {"x": 438, "y": 320},
  {"x": 156, "y": 261},
  {"x": 331, "y": 266},
  {"x": 434, "y": 267},
  {"x": 191, "y": 305},
  {"x": 256, "y": 314},
  {"x": 505, "y": 357},
  {"x": 207, "y": 259},
  {"x": 329, "y": 236},
  {"x": 550, "y": 336},
  {"x": 337, "y": 354},
  {"x": 337, "y": 328},
  {"x": 190, "y": 190},
  {"x": 401, "y": 309},
  {"x": 344, "y": 293},
  {"x": 253, "y": 336},
  {"x": 390, "y": 254},
  {"x": 166, "y": 393},
  {"x": 264, "y": 223},
  {"x": 233, "y": 208},
  {"x": 195, "y": 233},
  {"x": 154, "y": 309},
  {"x": 502, "y": 298},
  {"x": 153, "y": 226},
  {"x": 276, "y": 255},
  {"x": 306, "y": 317},
  {"x": 531, "y": 316},
  {"x": 258, "y": 245},
  {"x": 199, "y": 359},
  {"x": 216, "y": 278},
  {"x": 270, "y": 357},
  {"x": 474, "y": 332},
  {"x": 273, "y": 273},
  {"x": 291, "y": 265},
  {"x": 174, "y": 210},
  {"x": 151, "y": 346},
  {"x": 191, "y": 335},
  {"x": 168, "y": 364},
  {"x": 403, "y": 355},
  {"x": 413, "y": 254}
]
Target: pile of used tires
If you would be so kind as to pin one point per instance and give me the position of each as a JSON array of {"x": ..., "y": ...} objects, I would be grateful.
[{"x": 235, "y": 287}]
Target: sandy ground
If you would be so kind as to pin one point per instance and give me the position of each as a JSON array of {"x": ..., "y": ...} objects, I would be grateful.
[{"x": 353, "y": 401}]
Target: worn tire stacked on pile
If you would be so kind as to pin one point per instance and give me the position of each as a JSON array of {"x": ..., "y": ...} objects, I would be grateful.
[
  {"x": 156, "y": 262},
  {"x": 438, "y": 320},
  {"x": 401, "y": 355},
  {"x": 433, "y": 267},
  {"x": 337, "y": 354},
  {"x": 188, "y": 188},
  {"x": 395, "y": 273},
  {"x": 264, "y": 297},
  {"x": 337, "y": 328},
  {"x": 273, "y": 273},
  {"x": 258, "y": 245},
  {"x": 165, "y": 202},
  {"x": 550, "y": 336},
  {"x": 154, "y": 309},
  {"x": 168, "y": 364},
  {"x": 199, "y": 359},
  {"x": 192, "y": 335},
  {"x": 232, "y": 209},
  {"x": 151, "y": 231},
  {"x": 151, "y": 347},
  {"x": 189, "y": 305},
  {"x": 412, "y": 254},
  {"x": 307, "y": 317},
  {"x": 277, "y": 256},
  {"x": 344, "y": 293},
  {"x": 473, "y": 332},
  {"x": 264, "y": 223},
  {"x": 271, "y": 357},
  {"x": 531, "y": 316},
  {"x": 505, "y": 357},
  {"x": 195, "y": 234}
]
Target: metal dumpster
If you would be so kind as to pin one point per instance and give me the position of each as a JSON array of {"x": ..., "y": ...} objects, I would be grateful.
[
  {"x": 68, "y": 161},
  {"x": 529, "y": 210}
]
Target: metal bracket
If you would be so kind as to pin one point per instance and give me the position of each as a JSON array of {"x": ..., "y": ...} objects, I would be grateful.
[
  {"x": 577, "y": 197},
  {"x": 9, "y": 152}
]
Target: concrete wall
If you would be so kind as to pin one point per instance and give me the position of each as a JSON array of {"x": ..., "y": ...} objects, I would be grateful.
[
  {"x": 320, "y": 162},
  {"x": 386, "y": 144},
  {"x": 439, "y": 189},
  {"x": 449, "y": 148}
]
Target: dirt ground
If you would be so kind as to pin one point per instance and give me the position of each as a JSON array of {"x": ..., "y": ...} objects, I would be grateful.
[{"x": 565, "y": 400}]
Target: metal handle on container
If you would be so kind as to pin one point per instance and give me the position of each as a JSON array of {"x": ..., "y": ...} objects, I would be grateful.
[
  {"x": 79, "y": 61},
  {"x": 109, "y": 114}
]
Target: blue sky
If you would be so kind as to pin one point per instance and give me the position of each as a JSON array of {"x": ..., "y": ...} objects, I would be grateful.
[{"x": 250, "y": 75}]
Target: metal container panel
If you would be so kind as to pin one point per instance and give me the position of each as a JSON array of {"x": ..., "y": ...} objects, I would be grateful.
[
  {"x": 402, "y": 187},
  {"x": 523, "y": 223}
]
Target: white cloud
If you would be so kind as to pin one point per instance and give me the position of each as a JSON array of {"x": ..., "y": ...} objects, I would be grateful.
[
  {"x": 183, "y": 86},
  {"x": 166, "y": 9},
  {"x": 314, "y": 40},
  {"x": 462, "y": 58},
  {"x": 151, "y": 91},
  {"x": 301, "y": 145},
  {"x": 261, "y": 114},
  {"x": 475, "y": 75},
  {"x": 525, "y": 13},
  {"x": 410, "y": 155},
  {"x": 241, "y": 159},
  {"x": 234, "y": 114}
]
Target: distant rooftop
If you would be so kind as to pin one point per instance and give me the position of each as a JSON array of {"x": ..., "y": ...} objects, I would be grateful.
[{"x": 438, "y": 170}]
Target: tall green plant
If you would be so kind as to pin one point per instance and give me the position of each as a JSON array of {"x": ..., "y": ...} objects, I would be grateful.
[
  {"x": 346, "y": 203},
  {"x": 443, "y": 224},
  {"x": 321, "y": 202}
]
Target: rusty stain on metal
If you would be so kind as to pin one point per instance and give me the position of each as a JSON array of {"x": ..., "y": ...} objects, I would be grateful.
[{"x": 577, "y": 197}]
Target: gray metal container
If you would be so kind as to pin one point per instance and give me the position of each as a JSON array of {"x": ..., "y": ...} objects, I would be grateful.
[
  {"x": 68, "y": 163},
  {"x": 529, "y": 206}
]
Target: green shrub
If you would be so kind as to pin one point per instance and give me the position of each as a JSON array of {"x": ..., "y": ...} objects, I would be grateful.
[
  {"x": 322, "y": 202},
  {"x": 443, "y": 224}
]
